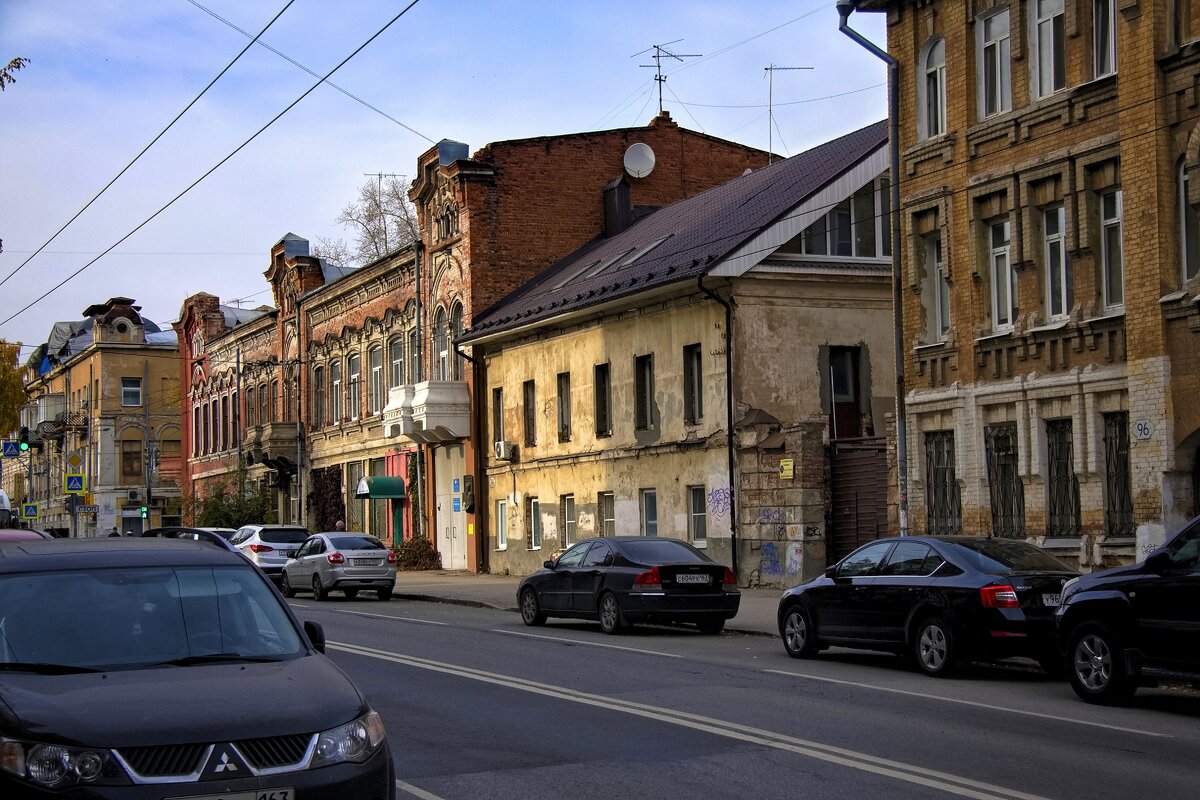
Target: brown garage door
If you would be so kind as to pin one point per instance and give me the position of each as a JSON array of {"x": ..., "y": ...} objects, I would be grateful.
[{"x": 859, "y": 476}]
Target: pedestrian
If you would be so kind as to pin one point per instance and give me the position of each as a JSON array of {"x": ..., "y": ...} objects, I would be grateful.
[
  {"x": 339, "y": 526},
  {"x": 114, "y": 531}
]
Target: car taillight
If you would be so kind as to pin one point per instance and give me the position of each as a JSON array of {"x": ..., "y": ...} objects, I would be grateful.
[
  {"x": 335, "y": 558},
  {"x": 261, "y": 548},
  {"x": 648, "y": 580},
  {"x": 1003, "y": 596},
  {"x": 730, "y": 580},
  {"x": 391, "y": 557}
]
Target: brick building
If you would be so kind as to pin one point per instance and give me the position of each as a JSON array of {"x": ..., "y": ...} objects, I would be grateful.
[{"x": 1051, "y": 243}]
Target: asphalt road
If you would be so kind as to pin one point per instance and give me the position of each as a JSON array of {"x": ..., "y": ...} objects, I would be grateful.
[{"x": 479, "y": 706}]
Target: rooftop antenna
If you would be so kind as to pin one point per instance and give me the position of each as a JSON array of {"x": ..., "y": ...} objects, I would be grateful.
[
  {"x": 379, "y": 176},
  {"x": 770, "y": 74},
  {"x": 660, "y": 52}
]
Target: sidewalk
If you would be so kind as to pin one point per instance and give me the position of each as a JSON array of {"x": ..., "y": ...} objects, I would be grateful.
[{"x": 756, "y": 614}]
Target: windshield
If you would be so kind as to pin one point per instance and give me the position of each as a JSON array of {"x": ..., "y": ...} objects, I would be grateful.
[
  {"x": 123, "y": 618},
  {"x": 1002, "y": 556},
  {"x": 283, "y": 535},
  {"x": 661, "y": 551}
]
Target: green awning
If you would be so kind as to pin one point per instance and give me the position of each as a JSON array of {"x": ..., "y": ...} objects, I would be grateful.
[{"x": 380, "y": 487}]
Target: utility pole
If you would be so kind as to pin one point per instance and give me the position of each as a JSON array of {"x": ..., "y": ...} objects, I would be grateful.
[
  {"x": 299, "y": 425},
  {"x": 661, "y": 51},
  {"x": 147, "y": 438},
  {"x": 770, "y": 71}
]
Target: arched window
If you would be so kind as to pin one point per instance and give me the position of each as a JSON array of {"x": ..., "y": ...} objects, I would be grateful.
[
  {"x": 932, "y": 90},
  {"x": 396, "y": 357},
  {"x": 456, "y": 331},
  {"x": 441, "y": 345},
  {"x": 375, "y": 380},
  {"x": 250, "y": 407},
  {"x": 197, "y": 344},
  {"x": 318, "y": 400},
  {"x": 335, "y": 391},
  {"x": 1189, "y": 225},
  {"x": 354, "y": 385},
  {"x": 263, "y": 419}
]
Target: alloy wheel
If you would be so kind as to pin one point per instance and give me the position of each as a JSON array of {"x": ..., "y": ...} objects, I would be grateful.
[
  {"x": 1093, "y": 662},
  {"x": 795, "y": 632},
  {"x": 933, "y": 648}
]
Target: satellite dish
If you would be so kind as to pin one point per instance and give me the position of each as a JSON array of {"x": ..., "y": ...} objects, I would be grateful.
[{"x": 639, "y": 160}]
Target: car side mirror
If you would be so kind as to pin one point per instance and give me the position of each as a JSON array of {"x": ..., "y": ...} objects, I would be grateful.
[
  {"x": 1158, "y": 561},
  {"x": 315, "y": 634},
  {"x": 548, "y": 564},
  {"x": 831, "y": 572}
]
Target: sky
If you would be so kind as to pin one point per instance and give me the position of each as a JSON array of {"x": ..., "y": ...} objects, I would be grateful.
[{"x": 106, "y": 76}]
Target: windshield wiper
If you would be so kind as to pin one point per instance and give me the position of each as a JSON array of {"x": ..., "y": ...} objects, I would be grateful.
[
  {"x": 214, "y": 658},
  {"x": 42, "y": 668}
]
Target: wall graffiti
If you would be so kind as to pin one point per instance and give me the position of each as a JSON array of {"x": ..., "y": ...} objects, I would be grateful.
[
  {"x": 772, "y": 515},
  {"x": 719, "y": 501},
  {"x": 769, "y": 565},
  {"x": 795, "y": 558}
]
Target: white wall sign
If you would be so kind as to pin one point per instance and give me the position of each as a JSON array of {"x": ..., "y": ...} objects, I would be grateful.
[{"x": 1142, "y": 429}]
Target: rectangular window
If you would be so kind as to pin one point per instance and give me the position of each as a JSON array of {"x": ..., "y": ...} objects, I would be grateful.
[
  {"x": 335, "y": 391},
  {"x": 1050, "y": 46},
  {"x": 225, "y": 423},
  {"x": 274, "y": 402},
  {"x": 205, "y": 440},
  {"x": 1189, "y": 227},
  {"x": 842, "y": 232},
  {"x": 197, "y": 431},
  {"x": 131, "y": 459},
  {"x": 501, "y": 522},
  {"x": 318, "y": 398},
  {"x": 1004, "y": 481},
  {"x": 693, "y": 384},
  {"x": 263, "y": 419},
  {"x": 995, "y": 95},
  {"x": 131, "y": 392},
  {"x": 942, "y": 508},
  {"x": 353, "y": 385},
  {"x": 643, "y": 392},
  {"x": 497, "y": 414},
  {"x": 566, "y": 508},
  {"x": 533, "y": 510},
  {"x": 603, "y": 390},
  {"x": 1003, "y": 278},
  {"x": 1105, "y": 41},
  {"x": 936, "y": 292},
  {"x": 396, "y": 356},
  {"x": 529, "y": 408},
  {"x": 697, "y": 516},
  {"x": 1118, "y": 487},
  {"x": 564, "y": 406},
  {"x": 1110, "y": 244},
  {"x": 414, "y": 362},
  {"x": 606, "y": 505},
  {"x": 375, "y": 386},
  {"x": 648, "y": 500},
  {"x": 1057, "y": 265},
  {"x": 1062, "y": 487}
]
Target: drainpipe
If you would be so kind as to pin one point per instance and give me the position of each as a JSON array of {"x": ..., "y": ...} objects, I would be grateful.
[
  {"x": 845, "y": 9},
  {"x": 733, "y": 525},
  {"x": 477, "y": 407}
]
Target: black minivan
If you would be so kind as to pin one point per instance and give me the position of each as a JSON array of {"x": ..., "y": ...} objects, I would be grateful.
[
  {"x": 151, "y": 668},
  {"x": 1133, "y": 626}
]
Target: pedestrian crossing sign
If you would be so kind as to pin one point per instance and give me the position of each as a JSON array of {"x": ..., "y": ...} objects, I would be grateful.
[
  {"x": 74, "y": 483},
  {"x": 29, "y": 511},
  {"x": 10, "y": 448}
]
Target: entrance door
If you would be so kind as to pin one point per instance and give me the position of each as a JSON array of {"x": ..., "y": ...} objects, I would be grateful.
[
  {"x": 858, "y": 494},
  {"x": 449, "y": 463}
]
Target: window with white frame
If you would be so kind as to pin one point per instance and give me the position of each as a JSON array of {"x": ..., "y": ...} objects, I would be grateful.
[
  {"x": 396, "y": 358},
  {"x": 606, "y": 505},
  {"x": 933, "y": 89},
  {"x": 1104, "y": 39},
  {"x": 566, "y": 507},
  {"x": 935, "y": 292},
  {"x": 533, "y": 511},
  {"x": 500, "y": 519},
  {"x": 414, "y": 362},
  {"x": 131, "y": 392},
  {"x": 1189, "y": 227},
  {"x": 441, "y": 345},
  {"x": 649, "y": 504},
  {"x": 335, "y": 391},
  {"x": 375, "y": 379},
  {"x": 1056, "y": 263},
  {"x": 353, "y": 385},
  {"x": 697, "y": 515},
  {"x": 855, "y": 227},
  {"x": 1110, "y": 249},
  {"x": 995, "y": 65},
  {"x": 1003, "y": 278},
  {"x": 1049, "y": 44}
]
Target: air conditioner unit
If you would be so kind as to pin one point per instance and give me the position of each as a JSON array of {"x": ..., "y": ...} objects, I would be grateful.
[
  {"x": 505, "y": 450},
  {"x": 135, "y": 495}
]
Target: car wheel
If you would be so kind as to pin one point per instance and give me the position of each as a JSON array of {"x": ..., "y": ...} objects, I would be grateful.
[
  {"x": 933, "y": 647},
  {"x": 319, "y": 592},
  {"x": 531, "y": 611},
  {"x": 710, "y": 627},
  {"x": 285, "y": 586},
  {"x": 797, "y": 632},
  {"x": 384, "y": 594},
  {"x": 1097, "y": 665},
  {"x": 610, "y": 613},
  {"x": 350, "y": 593}
]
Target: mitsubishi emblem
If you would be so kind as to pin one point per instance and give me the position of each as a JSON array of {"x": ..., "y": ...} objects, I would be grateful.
[{"x": 225, "y": 764}]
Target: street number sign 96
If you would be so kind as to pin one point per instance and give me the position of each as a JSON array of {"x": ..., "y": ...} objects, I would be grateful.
[{"x": 1142, "y": 429}]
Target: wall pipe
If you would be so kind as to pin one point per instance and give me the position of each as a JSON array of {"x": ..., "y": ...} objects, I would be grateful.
[
  {"x": 845, "y": 9},
  {"x": 733, "y": 525}
]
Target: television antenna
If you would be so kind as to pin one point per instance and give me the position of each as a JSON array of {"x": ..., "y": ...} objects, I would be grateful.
[
  {"x": 770, "y": 75},
  {"x": 661, "y": 52}
]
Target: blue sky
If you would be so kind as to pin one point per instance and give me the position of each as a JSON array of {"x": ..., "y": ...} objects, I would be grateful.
[{"x": 107, "y": 75}]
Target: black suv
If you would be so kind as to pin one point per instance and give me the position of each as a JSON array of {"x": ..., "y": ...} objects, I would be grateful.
[{"x": 1133, "y": 626}]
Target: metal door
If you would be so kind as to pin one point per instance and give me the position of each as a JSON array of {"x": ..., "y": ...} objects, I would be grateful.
[
  {"x": 858, "y": 495},
  {"x": 449, "y": 461}
]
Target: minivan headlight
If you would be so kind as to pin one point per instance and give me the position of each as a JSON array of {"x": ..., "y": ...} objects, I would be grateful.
[
  {"x": 355, "y": 741},
  {"x": 54, "y": 765}
]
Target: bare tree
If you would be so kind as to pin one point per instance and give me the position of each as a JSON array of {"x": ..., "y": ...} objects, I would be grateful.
[
  {"x": 382, "y": 219},
  {"x": 6, "y": 73},
  {"x": 333, "y": 250}
]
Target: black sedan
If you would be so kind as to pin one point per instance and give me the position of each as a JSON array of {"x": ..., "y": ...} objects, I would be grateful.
[
  {"x": 628, "y": 579},
  {"x": 944, "y": 600}
]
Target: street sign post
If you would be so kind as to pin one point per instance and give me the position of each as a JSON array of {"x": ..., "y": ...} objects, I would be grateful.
[{"x": 73, "y": 483}]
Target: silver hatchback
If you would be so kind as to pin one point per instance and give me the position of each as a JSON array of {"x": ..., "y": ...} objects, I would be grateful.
[{"x": 346, "y": 562}]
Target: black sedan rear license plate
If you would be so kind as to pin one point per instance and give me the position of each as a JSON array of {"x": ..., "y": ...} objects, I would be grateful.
[
  {"x": 284, "y": 793},
  {"x": 691, "y": 579}
]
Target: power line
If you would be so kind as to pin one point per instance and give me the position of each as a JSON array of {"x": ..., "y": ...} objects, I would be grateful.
[
  {"x": 215, "y": 167},
  {"x": 786, "y": 102},
  {"x": 141, "y": 153}
]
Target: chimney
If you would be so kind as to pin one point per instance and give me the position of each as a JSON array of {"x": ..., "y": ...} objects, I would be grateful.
[{"x": 618, "y": 207}]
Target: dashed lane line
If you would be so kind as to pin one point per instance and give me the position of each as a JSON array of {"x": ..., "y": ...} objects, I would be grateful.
[{"x": 566, "y": 640}]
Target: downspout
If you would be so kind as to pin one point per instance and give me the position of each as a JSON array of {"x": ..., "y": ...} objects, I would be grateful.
[
  {"x": 419, "y": 518},
  {"x": 728, "y": 418},
  {"x": 845, "y": 9},
  {"x": 477, "y": 408}
]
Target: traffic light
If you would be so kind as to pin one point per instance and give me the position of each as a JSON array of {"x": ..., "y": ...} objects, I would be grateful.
[
  {"x": 145, "y": 512},
  {"x": 23, "y": 438}
]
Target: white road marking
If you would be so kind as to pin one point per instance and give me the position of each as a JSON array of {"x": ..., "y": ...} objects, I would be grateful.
[
  {"x": 564, "y": 639},
  {"x": 366, "y": 614},
  {"x": 865, "y": 762},
  {"x": 974, "y": 703},
  {"x": 415, "y": 791}
]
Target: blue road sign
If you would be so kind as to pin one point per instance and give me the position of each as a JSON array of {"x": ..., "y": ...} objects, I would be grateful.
[
  {"x": 457, "y": 504},
  {"x": 74, "y": 483},
  {"x": 456, "y": 489},
  {"x": 10, "y": 448},
  {"x": 29, "y": 511}
]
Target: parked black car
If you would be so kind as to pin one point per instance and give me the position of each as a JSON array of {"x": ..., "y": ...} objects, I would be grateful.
[
  {"x": 170, "y": 668},
  {"x": 194, "y": 534},
  {"x": 944, "y": 600},
  {"x": 1132, "y": 626},
  {"x": 628, "y": 579}
]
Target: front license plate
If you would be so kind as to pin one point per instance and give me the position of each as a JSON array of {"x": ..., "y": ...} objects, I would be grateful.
[
  {"x": 1051, "y": 600},
  {"x": 691, "y": 579},
  {"x": 365, "y": 562},
  {"x": 285, "y": 793}
]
